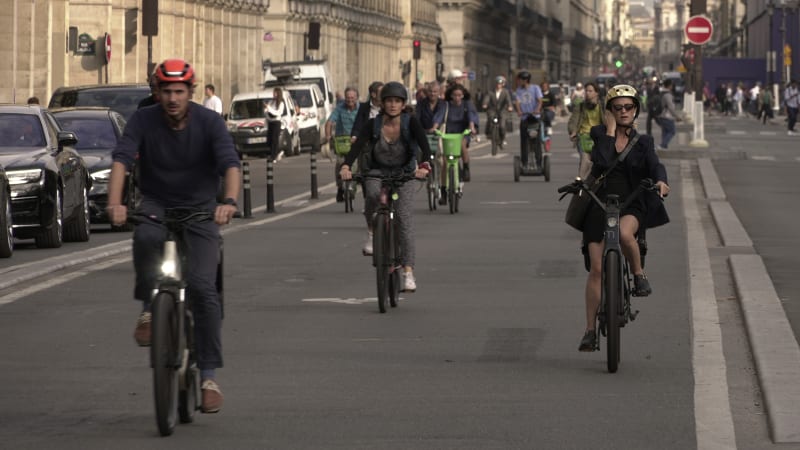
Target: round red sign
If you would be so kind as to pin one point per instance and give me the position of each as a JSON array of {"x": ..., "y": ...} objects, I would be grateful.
[
  {"x": 108, "y": 47},
  {"x": 698, "y": 30}
]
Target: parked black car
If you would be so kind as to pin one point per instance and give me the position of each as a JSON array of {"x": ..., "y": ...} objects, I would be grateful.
[
  {"x": 123, "y": 98},
  {"x": 49, "y": 181},
  {"x": 98, "y": 130}
]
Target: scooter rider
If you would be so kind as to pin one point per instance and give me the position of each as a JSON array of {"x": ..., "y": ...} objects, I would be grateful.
[{"x": 528, "y": 103}]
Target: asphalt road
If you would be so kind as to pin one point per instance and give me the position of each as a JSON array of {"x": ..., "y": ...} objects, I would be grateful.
[{"x": 482, "y": 356}]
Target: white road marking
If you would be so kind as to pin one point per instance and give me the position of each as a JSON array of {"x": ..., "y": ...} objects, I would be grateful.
[
  {"x": 762, "y": 158},
  {"x": 768, "y": 133},
  {"x": 346, "y": 301},
  {"x": 712, "y": 410},
  {"x": 737, "y": 132},
  {"x": 510, "y": 202}
]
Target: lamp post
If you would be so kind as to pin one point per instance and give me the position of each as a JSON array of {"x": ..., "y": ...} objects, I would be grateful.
[{"x": 770, "y": 51}]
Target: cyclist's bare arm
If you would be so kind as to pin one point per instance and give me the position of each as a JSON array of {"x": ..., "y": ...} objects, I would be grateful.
[{"x": 117, "y": 212}]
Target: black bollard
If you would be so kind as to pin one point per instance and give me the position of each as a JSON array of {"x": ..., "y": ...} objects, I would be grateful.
[
  {"x": 270, "y": 187},
  {"x": 314, "y": 193},
  {"x": 248, "y": 208}
]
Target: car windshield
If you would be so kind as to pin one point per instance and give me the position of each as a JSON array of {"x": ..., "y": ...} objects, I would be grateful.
[
  {"x": 249, "y": 109},
  {"x": 302, "y": 97},
  {"x": 21, "y": 130},
  {"x": 124, "y": 101},
  {"x": 91, "y": 133}
]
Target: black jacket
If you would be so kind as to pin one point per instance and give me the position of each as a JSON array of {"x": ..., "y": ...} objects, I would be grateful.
[
  {"x": 641, "y": 162},
  {"x": 362, "y": 116}
]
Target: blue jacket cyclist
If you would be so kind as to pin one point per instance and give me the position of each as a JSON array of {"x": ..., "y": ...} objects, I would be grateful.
[{"x": 181, "y": 150}]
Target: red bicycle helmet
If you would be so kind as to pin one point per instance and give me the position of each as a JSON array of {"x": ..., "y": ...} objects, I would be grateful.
[{"x": 175, "y": 71}]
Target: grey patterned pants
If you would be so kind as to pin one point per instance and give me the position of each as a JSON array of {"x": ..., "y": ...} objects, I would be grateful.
[{"x": 403, "y": 215}]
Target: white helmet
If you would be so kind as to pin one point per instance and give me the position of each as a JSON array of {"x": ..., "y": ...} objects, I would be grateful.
[
  {"x": 455, "y": 74},
  {"x": 579, "y": 85}
]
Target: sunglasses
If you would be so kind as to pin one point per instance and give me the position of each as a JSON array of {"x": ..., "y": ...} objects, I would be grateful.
[{"x": 627, "y": 107}]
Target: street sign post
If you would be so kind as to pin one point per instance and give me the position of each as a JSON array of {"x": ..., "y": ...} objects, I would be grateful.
[{"x": 698, "y": 29}]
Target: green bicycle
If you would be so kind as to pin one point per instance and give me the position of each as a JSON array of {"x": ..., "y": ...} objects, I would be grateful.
[{"x": 451, "y": 148}]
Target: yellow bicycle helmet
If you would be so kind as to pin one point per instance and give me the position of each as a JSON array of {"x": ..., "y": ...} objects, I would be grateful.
[{"x": 624, "y": 90}]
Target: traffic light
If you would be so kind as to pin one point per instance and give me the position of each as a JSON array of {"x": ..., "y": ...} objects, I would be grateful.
[
  {"x": 417, "y": 49},
  {"x": 618, "y": 63}
]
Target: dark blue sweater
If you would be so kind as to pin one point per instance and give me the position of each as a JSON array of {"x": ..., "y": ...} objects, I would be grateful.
[{"x": 178, "y": 168}]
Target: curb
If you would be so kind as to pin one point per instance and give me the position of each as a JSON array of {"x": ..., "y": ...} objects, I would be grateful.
[{"x": 774, "y": 347}]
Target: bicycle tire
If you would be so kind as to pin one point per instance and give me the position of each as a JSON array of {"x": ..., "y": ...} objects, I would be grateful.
[
  {"x": 163, "y": 351},
  {"x": 546, "y": 164},
  {"x": 613, "y": 298},
  {"x": 431, "y": 194},
  {"x": 381, "y": 258},
  {"x": 394, "y": 270},
  {"x": 495, "y": 138},
  {"x": 517, "y": 168},
  {"x": 346, "y": 188},
  {"x": 189, "y": 394},
  {"x": 451, "y": 188}
]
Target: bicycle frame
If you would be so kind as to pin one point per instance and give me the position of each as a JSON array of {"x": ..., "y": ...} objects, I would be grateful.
[{"x": 451, "y": 171}]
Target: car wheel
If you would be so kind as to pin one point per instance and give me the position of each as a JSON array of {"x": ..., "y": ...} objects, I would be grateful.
[
  {"x": 6, "y": 231},
  {"x": 51, "y": 236},
  {"x": 79, "y": 228}
]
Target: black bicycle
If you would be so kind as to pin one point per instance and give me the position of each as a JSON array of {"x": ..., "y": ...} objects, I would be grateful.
[
  {"x": 494, "y": 122},
  {"x": 616, "y": 278},
  {"x": 386, "y": 253},
  {"x": 176, "y": 377}
]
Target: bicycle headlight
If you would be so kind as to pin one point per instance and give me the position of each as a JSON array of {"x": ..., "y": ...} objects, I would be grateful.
[
  {"x": 168, "y": 268},
  {"x": 23, "y": 176},
  {"x": 611, "y": 221}
]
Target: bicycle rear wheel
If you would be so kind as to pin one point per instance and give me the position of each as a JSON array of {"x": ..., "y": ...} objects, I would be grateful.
[
  {"x": 431, "y": 193},
  {"x": 612, "y": 290},
  {"x": 165, "y": 342},
  {"x": 348, "y": 204},
  {"x": 383, "y": 263},
  {"x": 394, "y": 270}
]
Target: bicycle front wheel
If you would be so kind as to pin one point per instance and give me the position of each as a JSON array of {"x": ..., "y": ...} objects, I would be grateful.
[
  {"x": 451, "y": 188},
  {"x": 163, "y": 356},
  {"x": 383, "y": 263},
  {"x": 612, "y": 290},
  {"x": 348, "y": 205}
]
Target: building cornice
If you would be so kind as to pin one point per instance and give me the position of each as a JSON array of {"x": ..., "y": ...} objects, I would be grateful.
[{"x": 343, "y": 14}]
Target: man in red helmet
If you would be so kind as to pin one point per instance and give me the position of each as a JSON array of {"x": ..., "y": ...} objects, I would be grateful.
[{"x": 183, "y": 150}]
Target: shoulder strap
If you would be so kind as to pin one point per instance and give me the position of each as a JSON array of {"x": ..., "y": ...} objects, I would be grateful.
[{"x": 631, "y": 142}]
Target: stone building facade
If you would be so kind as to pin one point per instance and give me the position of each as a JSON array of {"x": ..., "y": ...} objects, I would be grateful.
[{"x": 361, "y": 40}]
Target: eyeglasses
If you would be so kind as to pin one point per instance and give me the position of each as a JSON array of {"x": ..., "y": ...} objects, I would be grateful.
[{"x": 628, "y": 107}]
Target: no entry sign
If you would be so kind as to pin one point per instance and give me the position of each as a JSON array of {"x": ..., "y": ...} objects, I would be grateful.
[{"x": 698, "y": 30}]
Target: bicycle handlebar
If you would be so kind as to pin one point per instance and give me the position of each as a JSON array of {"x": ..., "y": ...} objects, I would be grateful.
[{"x": 579, "y": 185}]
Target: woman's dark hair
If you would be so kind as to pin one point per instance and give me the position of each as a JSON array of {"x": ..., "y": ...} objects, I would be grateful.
[
  {"x": 278, "y": 98},
  {"x": 448, "y": 95}
]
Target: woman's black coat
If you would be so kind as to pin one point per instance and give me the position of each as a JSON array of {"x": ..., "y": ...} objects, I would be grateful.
[{"x": 641, "y": 162}]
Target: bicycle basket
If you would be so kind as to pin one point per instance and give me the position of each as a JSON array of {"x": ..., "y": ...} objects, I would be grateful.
[
  {"x": 451, "y": 144},
  {"x": 342, "y": 145}
]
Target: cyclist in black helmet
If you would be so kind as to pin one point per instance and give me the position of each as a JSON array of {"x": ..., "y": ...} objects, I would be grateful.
[{"x": 391, "y": 140}]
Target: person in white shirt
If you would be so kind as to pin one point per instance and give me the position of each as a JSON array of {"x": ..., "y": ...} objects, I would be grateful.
[
  {"x": 274, "y": 110},
  {"x": 212, "y": 101},
  {"x": 792, "y": 99}
]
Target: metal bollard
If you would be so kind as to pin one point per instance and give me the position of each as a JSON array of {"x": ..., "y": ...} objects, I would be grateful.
[
  {"x": 248, "y": 208},
  {"x": 270, "y": 188},
  {"x": 314, "y": 193}
]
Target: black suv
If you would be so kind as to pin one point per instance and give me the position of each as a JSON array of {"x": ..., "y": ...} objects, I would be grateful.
[{"x": 122, "y": 98}]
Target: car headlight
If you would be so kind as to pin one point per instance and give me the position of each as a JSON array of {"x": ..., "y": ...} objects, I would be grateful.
[
  {"x": 101, "y": 175},
  {"x": 23, "y": 176},
  {"x": 232, "y": 127}
]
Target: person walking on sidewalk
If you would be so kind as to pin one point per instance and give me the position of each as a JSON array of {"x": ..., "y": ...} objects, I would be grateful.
[
  {"x": 668, "y": 117},
  {"x": 765, "y": 102},
  {"x": 791, "y": 97}
]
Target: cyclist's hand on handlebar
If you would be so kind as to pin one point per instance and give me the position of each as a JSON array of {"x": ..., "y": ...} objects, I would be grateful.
[
  {"x": 117, "y": 214},
  {"x": 663, "y": 189},
  {"x": 223, "y": 214},
  {"x": 422, "y": 170},
  {"x": 345, "y": 173}
]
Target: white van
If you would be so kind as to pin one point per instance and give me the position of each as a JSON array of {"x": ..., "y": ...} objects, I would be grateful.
[
  {"x": 248, "y": 126},
  {"x": 283, "y": 73}
]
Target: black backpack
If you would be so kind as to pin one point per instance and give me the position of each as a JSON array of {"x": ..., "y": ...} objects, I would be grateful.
[{"x": 655, "y": 104}]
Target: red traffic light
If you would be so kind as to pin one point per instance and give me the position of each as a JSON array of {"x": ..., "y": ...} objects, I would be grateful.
[
  {"x": 417, "y": 49},
  {"x": 416, "y": 43}
]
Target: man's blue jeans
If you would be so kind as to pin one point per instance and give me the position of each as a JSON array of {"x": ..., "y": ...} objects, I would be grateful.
[{"x": 667, "y": 130}]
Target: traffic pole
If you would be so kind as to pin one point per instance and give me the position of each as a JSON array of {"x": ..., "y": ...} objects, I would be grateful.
[
  {"x": 270, "y": 187},
  {"x": 248, "y": 207},
  {"x": 314, "y": 193}
]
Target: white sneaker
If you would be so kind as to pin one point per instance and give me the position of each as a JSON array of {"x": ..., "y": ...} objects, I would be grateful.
[
  {"x": 280, "y": 155},
  {"x": 792, "y": 133},
  {"x": 409, "y": 283},
  {"x": 367, "y": 249}
]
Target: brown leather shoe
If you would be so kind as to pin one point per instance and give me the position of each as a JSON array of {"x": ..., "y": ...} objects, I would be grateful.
[
  {"x": 212, "y": 397},
  {"x": 142, "y": 332}
]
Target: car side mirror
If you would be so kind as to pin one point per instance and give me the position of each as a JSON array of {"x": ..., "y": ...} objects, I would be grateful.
[{"x": 66, "y": 139}]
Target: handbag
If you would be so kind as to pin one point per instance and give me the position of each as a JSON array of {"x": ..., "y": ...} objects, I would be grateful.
[{"x": 580, "y": 202}]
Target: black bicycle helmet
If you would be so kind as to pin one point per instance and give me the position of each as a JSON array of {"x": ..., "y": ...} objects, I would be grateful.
[
  {"x": 623, "y": 90},
  {"x": 394, "y": 89},
  {"x": 524, "y": 75}
]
